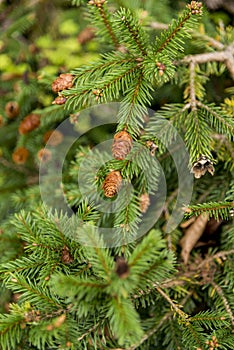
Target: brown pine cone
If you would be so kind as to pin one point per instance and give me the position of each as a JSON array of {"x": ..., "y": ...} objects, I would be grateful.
[
  {"x": 29, "y": 123},
  {"x": 144, "y": 202},
  {"x": 112, "y": 184},
  {"x": 53, "y": 137},
  {"x": 122, "y": 145},
  {"x": 20, "y": 155},
  {"x": 60, "y": 100},
  {"x": 44, "y": 155},
  {"x": 12, "y": 109},
  {"x": 201, "y": 166},
  {"x": 64, "y": 81},
  {"x": 66, "y": 256}
]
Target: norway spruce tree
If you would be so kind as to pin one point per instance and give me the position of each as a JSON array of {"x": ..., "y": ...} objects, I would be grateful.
[{"x": 116, "y": 176}]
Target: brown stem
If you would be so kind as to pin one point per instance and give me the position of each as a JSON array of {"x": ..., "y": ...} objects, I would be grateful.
[
  {"x": 225, "y": 56},
  {"x": 108, "y": 26},
  {"x": 173, "y": 34},
  {"x": 192, "y": 85}
]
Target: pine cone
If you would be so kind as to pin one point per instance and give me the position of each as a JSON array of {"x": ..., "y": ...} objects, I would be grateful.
[
  {"x": 44, "y": 155},
  {"x": 144, "y": 202},
  {"x": 20, "y": 155},
  {"x": 64, "y": 81},
  {"x": 12, "y": 109},
  {"x": 122, "y": 145},
  {"x": 201, "y": 166},
  {"x": 60, "y": 100},
  {"x": 66, "y": 256},
  {"x": 53, "y": 137},
  {"x": 112, "y": 184},
  {"x": 29, "y": 123}
]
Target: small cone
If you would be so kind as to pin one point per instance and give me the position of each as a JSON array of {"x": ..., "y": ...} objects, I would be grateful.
[
  {"x": 66, "y": 256},
  {"x": 112, "y": 184},
  {"x": 201, "y": 166},
  {"x": 20, "y": 155},
  {"x": 64, "y": 81},
  {"x": 144, "y": 202},
  {"x": 122, "y": 145},
  {"x": 29, "y": 123},
  {"x": 44, "y": 155},
  {"x": 53, "y": 137},
  {"x": 12, "y": 109},
  {"x": 60, "y": 100}
]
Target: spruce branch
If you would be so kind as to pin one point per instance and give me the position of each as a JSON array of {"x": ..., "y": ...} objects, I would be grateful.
[
  {"x": 149, "y": 333},
  {"x": 225, "y": 56},
  {"x": 218, "y": 119},
  {"x": 218, "y": 210},
  {"x": 131, "y": 33},
  {"x": 177, "y": 308},
  {"x": 89, "y": 331},
  {"x": 102, "y": 13},
  {"x": 221, "y": 254},
  {"x": 220, "y": 292},
  {"x": 107, "y": 63},
  {"x": 12, "y": 324},
  {"x": 171, "y": 40},
  {"x": 191, "y": 275},
  {"x": 18, "y": 168},
  {"x": 158, "y": 325},
  {"x": 132, "y": 110}
]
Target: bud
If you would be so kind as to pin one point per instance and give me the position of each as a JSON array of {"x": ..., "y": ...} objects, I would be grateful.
[{"x": 121, "y": 268}]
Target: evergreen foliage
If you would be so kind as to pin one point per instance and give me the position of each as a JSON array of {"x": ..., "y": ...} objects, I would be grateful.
[{"x": 63, "y": 286}]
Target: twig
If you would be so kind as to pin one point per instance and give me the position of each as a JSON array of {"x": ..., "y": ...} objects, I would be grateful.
[
  {"x": 155, "y": 328},
  {"x": 158, "y": 25},
  {"x": 182, "y": 314},
  {"x": 89, "y": 331},
  {"x": 9, "y": 165},
  {"x": 225, "y": 301},
  {"x": 221, "y": 254},
  {"x": 192, "y": 85},
  {"x": 225, "y": 56},
  {"x": 167, "y": 215},
  {"x": 181, "y": 279}
]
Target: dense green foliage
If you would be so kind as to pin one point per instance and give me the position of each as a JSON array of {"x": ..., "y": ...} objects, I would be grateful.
[{"x": 63, "y": 286}]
